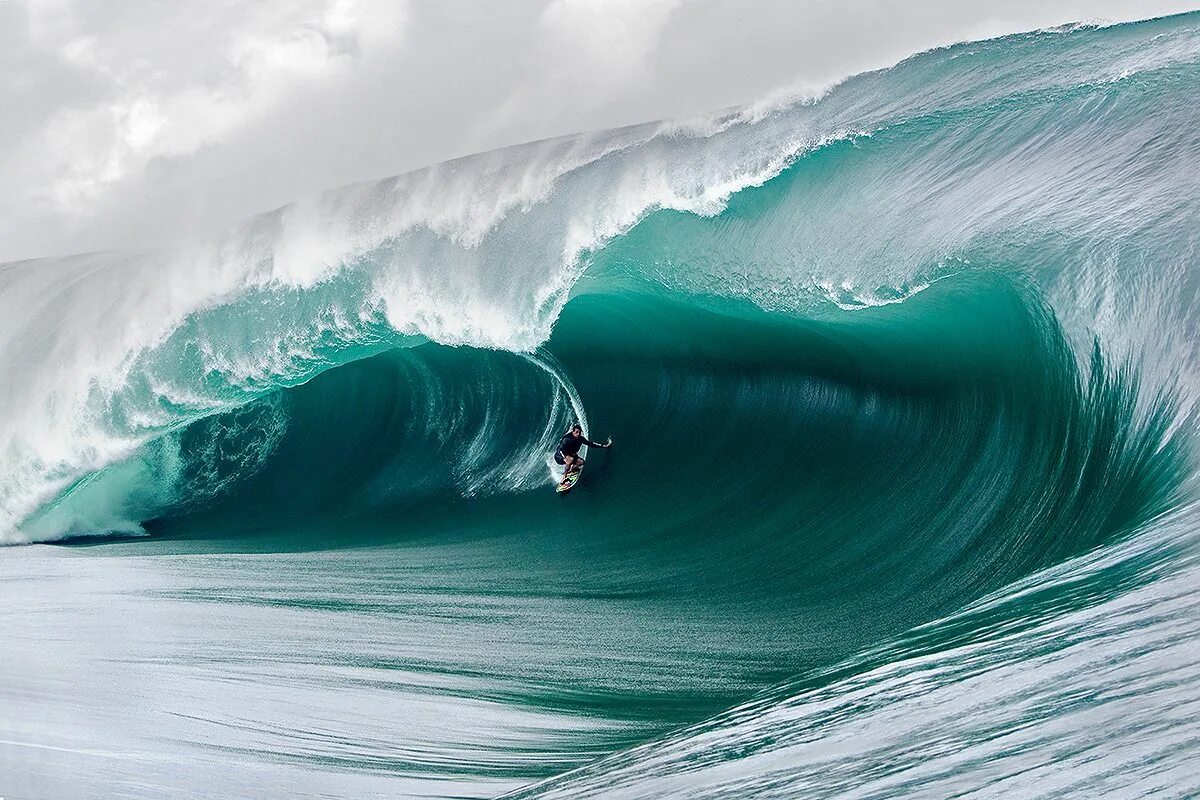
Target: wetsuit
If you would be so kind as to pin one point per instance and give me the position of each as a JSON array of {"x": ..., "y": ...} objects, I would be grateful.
[{"x": 569, "y": 446}]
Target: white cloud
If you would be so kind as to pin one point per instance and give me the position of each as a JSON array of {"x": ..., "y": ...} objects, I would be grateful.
[
  {"x": 583, "y": 53},
  {"x": 603, "y": 42},
  {"x": 234, "y": 67}
]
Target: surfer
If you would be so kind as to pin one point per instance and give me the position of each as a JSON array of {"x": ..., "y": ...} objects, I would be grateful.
[{"x": 568, "y": 449}]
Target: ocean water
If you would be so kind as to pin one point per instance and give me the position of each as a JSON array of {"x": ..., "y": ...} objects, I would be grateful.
[{"x": 903, "y": 382}]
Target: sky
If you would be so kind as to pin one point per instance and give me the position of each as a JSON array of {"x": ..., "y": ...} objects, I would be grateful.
[{"x": 132, "y": 124}]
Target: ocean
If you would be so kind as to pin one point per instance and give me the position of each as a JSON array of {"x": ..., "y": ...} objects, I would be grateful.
[{"x": 902, "y": 378}]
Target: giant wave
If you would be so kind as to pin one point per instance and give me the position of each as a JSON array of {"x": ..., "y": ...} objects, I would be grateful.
[{"x": 902, "y": 376}]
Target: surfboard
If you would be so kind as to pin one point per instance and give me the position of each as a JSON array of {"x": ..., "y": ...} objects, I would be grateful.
[{"x": 568, "y": 483}]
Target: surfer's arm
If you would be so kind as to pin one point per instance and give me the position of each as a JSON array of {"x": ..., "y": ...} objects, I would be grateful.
[{"x": 598, "y": 444}]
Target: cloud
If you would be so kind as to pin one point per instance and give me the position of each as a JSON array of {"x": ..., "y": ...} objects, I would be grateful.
[
  {"x": 602, "y": 43},
  {"x": 583, "y": 53},
  {"x": 235, "y": 66}
]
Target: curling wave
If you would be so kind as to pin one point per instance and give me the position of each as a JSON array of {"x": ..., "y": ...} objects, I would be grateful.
[{"x": 877, "y": 363}]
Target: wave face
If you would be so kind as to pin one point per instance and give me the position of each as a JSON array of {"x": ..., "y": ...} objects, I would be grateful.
[{"x": 903, "y": 382}]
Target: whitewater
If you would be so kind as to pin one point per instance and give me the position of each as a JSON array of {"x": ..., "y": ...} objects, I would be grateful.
[{"x": 903, "y": 376}]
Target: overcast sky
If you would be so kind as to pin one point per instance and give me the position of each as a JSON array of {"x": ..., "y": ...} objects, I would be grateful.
[{"x": 128, "y": 123}]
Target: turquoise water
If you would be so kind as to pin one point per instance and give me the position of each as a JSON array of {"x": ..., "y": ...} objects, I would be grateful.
[{"x": 902, "y": 380}]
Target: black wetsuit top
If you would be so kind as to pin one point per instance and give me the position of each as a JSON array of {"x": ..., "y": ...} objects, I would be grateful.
[{"x": 571, "y": 443}]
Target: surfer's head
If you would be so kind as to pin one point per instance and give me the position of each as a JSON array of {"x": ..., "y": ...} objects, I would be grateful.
[{"x": 577, "y": 429}]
